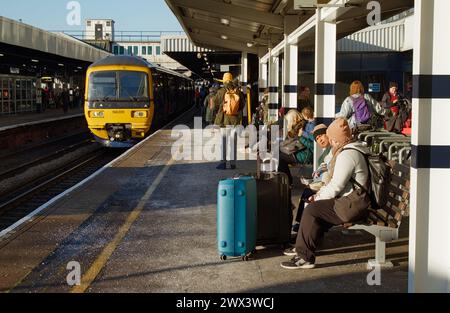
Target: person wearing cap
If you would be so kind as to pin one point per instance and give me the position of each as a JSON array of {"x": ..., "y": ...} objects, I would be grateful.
[
  {"x": 319, "y": 176},
  {"x": 223, "y": 120},
  {"x": 347, "y": 166}
]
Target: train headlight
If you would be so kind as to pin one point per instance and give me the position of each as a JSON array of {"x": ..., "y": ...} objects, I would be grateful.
[
  {"x": 97, "y": 114},
  {"x": 139, "y": 114}
]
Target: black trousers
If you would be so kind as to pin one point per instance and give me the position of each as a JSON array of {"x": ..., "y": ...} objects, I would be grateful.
[
  {"x": 307, "y": 193},
  {"x": 317, "y": 219}
]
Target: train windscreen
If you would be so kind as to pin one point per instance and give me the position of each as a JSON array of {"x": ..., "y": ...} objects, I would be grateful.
[{"x": 126, "y": 87}]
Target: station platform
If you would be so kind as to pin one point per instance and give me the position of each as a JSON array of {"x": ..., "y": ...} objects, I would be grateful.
[
  {"x": 147, "y": 223},
  {"x": 8, "y": 122}
]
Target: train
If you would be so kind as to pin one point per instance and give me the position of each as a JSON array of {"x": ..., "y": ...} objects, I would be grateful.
[{"x": 127, "y": 97}]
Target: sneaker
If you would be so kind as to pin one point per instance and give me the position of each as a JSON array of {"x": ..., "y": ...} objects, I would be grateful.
[
  {"x": 297, "y": 263},
  {"x": 290, "y": 252}
]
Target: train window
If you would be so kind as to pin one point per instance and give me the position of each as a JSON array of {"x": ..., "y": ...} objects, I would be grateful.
[
  {"x": 102, "y": 86},
  {"x": 121, "y": 50},
  {"x": 158, "y": 50},
  {"x": 150, "y": 50},
  {"x": 116, "y": 50},
  {"x": 130, "y": 50},
  {"x": 144, "y": 50},
  {"x": 135, "y": 50},
  {"x": 133, "y": 85}
]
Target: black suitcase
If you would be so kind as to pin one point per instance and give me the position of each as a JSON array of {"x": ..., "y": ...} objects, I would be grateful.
[{"x": 274, "y": 217}]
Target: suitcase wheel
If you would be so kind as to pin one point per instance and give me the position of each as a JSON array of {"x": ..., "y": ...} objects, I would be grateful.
[{"x": 223, "y": 257}]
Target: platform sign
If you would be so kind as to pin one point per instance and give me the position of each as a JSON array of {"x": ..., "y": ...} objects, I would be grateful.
[
  {"x": 309, "y": 4},
  {"x": 375, "y": 87}
]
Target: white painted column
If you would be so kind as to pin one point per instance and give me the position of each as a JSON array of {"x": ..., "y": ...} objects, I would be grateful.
[
  {"x": 274, "y": 67},
  {"x": 244, "y": 81},
  {"x": 429, "y": 247},
  {"x": 244, "y": 70},
  {"x": 290, "y": 75},
  {"x": 263, "y": 79},
  {"x": 325, "y": 75}
]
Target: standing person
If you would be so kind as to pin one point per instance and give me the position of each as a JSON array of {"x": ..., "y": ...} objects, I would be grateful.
[
  {"x": 209, "y": 105},
  {"x": 197, "y": 98},
  {"x": 395, "y": 102},
  {"x": 45, "y": 98},
  {"x": 359, "y": 107},
  {"x": 304, "y": 98},
  {"x": 338, "y": 202},
  {"x": 392, "y": 98},
  {"x": 65, "y": 100},
  {"x": 229, "y": 101}
]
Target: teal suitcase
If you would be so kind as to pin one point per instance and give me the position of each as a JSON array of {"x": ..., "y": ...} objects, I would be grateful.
[{"x": 236, "y": 217}]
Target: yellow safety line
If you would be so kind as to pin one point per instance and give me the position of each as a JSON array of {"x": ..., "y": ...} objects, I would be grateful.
[{"x": 103, "y": 258}]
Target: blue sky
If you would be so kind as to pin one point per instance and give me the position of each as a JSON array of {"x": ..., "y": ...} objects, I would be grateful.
[{"x": 148, "y": 15}]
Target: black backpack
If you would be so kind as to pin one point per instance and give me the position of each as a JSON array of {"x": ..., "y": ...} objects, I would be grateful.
[{"x": 380, "y": 178}]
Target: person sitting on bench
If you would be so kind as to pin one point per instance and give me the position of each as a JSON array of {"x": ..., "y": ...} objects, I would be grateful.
[
  {"x": 338, "y": 202},
  {"x": 320, "y": 175}
]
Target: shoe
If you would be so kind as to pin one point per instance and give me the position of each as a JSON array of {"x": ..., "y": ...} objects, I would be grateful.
[
  {"x": 290, "y": 252},
  {"x": 297, "y": 263},
  {"x": 296, "y": 228},
  {"x": 222, "y": 166}
]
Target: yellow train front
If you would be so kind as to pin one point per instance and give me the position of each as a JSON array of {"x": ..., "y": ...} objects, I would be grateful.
[{"x": 126, "y": 96}]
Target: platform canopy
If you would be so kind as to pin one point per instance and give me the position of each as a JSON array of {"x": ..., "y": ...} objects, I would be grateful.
[{"x": 254, "y": 26}]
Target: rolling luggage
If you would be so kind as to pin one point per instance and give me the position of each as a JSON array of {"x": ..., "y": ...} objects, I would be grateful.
[
  {"x": 236, "y": 217},
  {"x": 274, "y": 215}
]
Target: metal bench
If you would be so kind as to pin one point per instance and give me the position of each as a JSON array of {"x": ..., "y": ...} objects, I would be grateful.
[{"x": 384, "y": 224}]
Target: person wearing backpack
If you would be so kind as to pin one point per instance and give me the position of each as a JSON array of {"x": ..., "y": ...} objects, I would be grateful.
[
  {"x": 340, "y": 201},
  {"x": 359, "y": 107},
  {"x": 230, "y": 102}
]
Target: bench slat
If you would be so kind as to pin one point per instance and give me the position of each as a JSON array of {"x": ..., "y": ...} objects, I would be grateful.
[
  {"x": 400, "y": 181},
  {"x": 399, "y": 192}
]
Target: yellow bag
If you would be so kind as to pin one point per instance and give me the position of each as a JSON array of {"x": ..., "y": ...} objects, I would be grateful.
[{"x": 231, "y": 103}]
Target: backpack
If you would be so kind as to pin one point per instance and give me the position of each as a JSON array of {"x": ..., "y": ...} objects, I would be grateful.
[
  {"x": 380, "y": 179},
  {"x": 362, "y": 113},
  {"x": 231, "y": 103}
]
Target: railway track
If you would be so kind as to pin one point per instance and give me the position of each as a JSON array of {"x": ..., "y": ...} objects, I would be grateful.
[{"x": 28, "y": 198}]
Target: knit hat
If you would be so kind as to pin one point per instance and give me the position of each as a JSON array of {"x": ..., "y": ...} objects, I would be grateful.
[
  {"x": 339, "y": 131},
  {"x": 320, "y": 130}
]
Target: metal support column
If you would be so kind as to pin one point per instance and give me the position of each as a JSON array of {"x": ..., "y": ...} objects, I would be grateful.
[
  {"x": 429, "y": 247},
  {"x": 290, "y": 75},
  {"x": 274, "y": 65},
  {"x": 325, "y": 75}
]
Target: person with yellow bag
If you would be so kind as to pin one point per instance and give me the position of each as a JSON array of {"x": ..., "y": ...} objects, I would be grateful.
[{"x": 230, "y": 102}]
